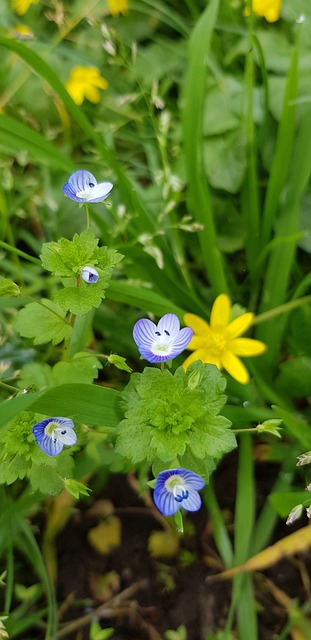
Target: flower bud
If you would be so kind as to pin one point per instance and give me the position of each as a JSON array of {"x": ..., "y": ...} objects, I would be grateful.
[{"x": 89, "y": 275}]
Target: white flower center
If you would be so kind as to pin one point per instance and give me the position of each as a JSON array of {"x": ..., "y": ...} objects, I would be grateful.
[
  {"x": 85, "y": 194},
  {"x": 176, "y": 486},
  {"x": 162, "y": 345}
]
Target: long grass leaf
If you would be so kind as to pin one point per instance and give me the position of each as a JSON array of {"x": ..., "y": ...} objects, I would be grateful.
[
  {"x": 282, "y": 256},
  {"x": 16, "y": 136},
  {"x": 199, "y": 201}
]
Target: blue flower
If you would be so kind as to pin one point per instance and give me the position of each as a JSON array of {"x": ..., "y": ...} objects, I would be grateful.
[
  {"x": 89, "y": 275},
  {"x": 163, "y": 341},
  {"x": 83, "y": 187},
  {"x": 175, "y": 488},
  {"x": 51, "y": 434}
]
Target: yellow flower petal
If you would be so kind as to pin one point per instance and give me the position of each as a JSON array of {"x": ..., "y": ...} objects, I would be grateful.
[
  {"x": 204, "y": 356},
  {"x": 235, "y": 367},
  {"x": 240, "y": 325},
  {"x": 247, "y": 347},
  {"x": 199, "y": 326},
  {"x": 268, "y": 9},
  {"x": 92, "y": 94},
  {"x": 220, "y": 314},
  {"x": 85, "y": 82},
  {"x": 21, "y": 6},
  {"x": 75, "y": 91},
  {"x": 118, "y": 6},
  {"x": 197, "y": 342}
]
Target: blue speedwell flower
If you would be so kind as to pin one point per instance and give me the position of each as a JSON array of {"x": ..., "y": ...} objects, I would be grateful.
[
  {"x": 89, "y": 275},
  {"x": 163, "y": 341},
  {"x": 51, "y": 434},
  {"x": 177, "y": 488},
  {"x": 83, "y": 187}
]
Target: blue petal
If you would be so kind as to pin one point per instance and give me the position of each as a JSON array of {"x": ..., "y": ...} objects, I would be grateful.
[
  {"x": 70, "y": 192},
  {"x": 81, "y": 179},
  {"x": 152, "y": 357},
  {"x": 144, "y": 333},
  {"x": 170, "y": 323},
  {"x": 165, "y": 502},
  {"x": 38, "y": 429},
  {"x": 191, "y": 479},
  {"x": 182, "y": 339},
  {"x": 50, "y": 446},
  {"x": 193, "y": 502}
]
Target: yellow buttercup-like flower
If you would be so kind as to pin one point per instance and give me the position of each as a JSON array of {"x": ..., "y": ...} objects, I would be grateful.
[
  {"x": 268, "y": 9},
  {"x": 85, "y": 82},
  {"x": 219, "y": 342},
  {"x": 21, "y": 6},
  {"x": 118, "y": 6}
]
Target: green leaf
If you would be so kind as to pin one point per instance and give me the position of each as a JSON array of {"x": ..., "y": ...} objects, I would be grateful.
[
  {"x": 225, "y": 161},
  {"x": 83, "y": 368},
  {"x": 44, "y": 322},
  {"x": 84, "y": 403},
  {"x": 119, "y": 362},
  {"x": 168, "y": 416},
  {"x": 37, "y": 375},
  {"x": 90, "y": 404},
  {"x": 284, "y": 502},
  {"x": 8, "y": 287},
  {"x": 295, "y": 377},
  {"x": 66, "y": 258},
  {"x": 16, "y": 136},
  {"x": 49, "y": 478},
  {"x": 79, "y": 300}
]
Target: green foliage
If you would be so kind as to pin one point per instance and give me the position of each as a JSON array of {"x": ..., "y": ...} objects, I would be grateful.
[
  {"x": 169, "y": 418},
  {"x": 66, "y": 259},
  {"x": 8, "y": 288},
  {"x": 211, "y": 195},
  {"x": 21, "y": 456},
  {"x": 43, "y": 321}
]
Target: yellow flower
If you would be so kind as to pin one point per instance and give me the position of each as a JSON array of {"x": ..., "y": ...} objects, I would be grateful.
[
  {"x": 118, "y": 6},
  {"x": 85, "y": 82},
  {"x": 21, "y": 6},
  {"x": 268, "y": 9},
  {"x": 219, "y": 342}
]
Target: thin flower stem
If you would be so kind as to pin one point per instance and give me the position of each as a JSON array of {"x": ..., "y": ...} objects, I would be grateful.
[
  {"x": 162, "y": 366},
  {"x": 87, "y": 211},
  {"x": 20, "y": 253},
  {"x": 250, "y": 430}
]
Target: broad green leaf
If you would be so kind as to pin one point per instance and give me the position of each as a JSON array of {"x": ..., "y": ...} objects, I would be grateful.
[
  {"x": 83, "y": 368},
  {"x": 44, "y": 322},
  {"x": 84, "y": 403},
  {"x": 143, "y": 298},
  {"x": 284, "y": 502},
  {"x": 225, "y": 161}
]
